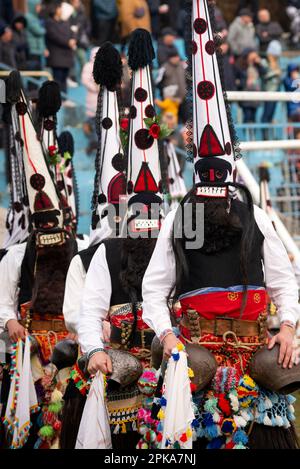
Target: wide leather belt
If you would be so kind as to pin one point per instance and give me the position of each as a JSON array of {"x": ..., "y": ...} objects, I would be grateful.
[
  {"x": 54, "y": 325},
  {"x": 141, "y": 338},
  {"x": 219, "y": 326}
]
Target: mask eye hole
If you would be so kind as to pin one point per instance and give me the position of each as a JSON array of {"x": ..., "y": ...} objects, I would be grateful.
[
  {"x": 204, "y": 175},
  {"x": 219, "y": 174}
]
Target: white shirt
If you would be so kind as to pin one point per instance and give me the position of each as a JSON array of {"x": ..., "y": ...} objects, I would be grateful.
[
  {"x": 76, "y": 279},
  {"x": 95, "y": 302},
  {"x": 10, "y": 273},
  {"x": 160, "y": 275}
]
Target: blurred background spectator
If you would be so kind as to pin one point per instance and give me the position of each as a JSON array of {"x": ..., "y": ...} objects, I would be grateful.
[
  {"x": 61, "y": 44},
  {"x": 103, "y": 18},
  {"x": 267, "y": 30},
  {"x": 18, "y": 26},
  {"x": 92, "y": 90},
  {"x": 229, "y": 69},
  {"x": 293, "y": 12},
  {"x": 36, "y": 35},
  {"x": 7, "y": 48},
  {"x": 249, "y": 71},
  {"x": 292, "y": 83},
  {"x": 241, "y": 34},
  {"x": 271, "y": 80},
  {"x": 132, "y": 14},
  {"x": 166, "y": 43},
  {"x": 80, "y": 27}
]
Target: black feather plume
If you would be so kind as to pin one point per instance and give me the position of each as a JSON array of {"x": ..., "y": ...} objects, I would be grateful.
[
  {"x": 107, "y": 69},
  {"x": 49, "y": 100},
  {"x": 13, "y": 87},
  {"x": 140, "y": 50},
  {"x": 66, "y": 143}
]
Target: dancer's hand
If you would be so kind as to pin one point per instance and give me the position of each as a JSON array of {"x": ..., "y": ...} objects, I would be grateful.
[
  {"x": 169, "y": 342},
  {"x": 15, "y": 330},
  {"x": 285, "y": 339},
  {"x": 100, "y": 361}
]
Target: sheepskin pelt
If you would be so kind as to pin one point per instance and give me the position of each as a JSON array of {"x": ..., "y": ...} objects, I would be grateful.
[{"x": 49, "y": 279}]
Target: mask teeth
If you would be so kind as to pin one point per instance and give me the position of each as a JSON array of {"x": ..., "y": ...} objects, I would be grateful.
[
  {"x": 146, "y": 224},
  {"x": 49, "y": 239}
]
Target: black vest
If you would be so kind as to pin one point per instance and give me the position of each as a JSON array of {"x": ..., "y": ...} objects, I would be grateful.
[
  {"x": 113, "y": 256},
  {"x": 222, "y": 269},
  {"x": 86, "y": 256},
  {"x": 27, "y": 270}
]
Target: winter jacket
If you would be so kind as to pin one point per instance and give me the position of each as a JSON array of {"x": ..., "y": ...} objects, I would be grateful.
[
  {"x": 241, "y": 36},
  {"x": 266, "y": 32},
  {"x": 104, "y": 9},
  {"x": 174, "y": 75},
  {"x": 82, "y": 25},
  {"x": 58, "y": 34},
  {"x": 35, "y": 30},
  {"x": 291, "y": 85},
  {"x": 91, "y": 87},
  {"x": 7, "y": 54},
  {"x": 20, "y": 43},
  {"x": 133, "y": 14}
]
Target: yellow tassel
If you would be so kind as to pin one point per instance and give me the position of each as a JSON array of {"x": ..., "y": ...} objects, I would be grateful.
[
  {"x": 189, "y": 433},
  {"x": 180, "y": 346},
  {"x": 190, "y": 373},
  {"x": 161, "y": 414},
  {"x": 123, "y": 428}
]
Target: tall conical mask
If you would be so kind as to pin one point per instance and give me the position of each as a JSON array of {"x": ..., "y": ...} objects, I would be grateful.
[
  {"x": 110, "y": 181},
  {"x": 213, "y": 135},
  {"x": 18, "y": 215},
  {"x": 48, "y": 105},
  {"x": 42, "y": 192},
  {"x": 144, "y": 173}
]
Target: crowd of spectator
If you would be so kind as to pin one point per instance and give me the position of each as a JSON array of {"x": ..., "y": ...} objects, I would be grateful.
[{"x": 62, "y": 36}]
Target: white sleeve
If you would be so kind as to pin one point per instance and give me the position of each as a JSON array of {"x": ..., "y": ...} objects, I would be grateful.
[
  {"x": 159, "y": 279},
  {"x": 280, "y": 279},
  {"x": 95, "y": 302},
  {"x": 10, "y": 271},
  {"x": 73, "y": 294}
]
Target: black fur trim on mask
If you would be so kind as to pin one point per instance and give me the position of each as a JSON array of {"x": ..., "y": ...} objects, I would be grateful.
[
  {"x": 13, "y": 87},
  {"x": 66, "y": 143},
  {"x": 140, "y": 51},
  {"x": 49, "y": 100},
  {"x": 107, "y": 69}
]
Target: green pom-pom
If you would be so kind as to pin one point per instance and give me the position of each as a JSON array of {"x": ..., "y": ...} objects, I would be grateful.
[
  {"x": 46, "y": 432},
  {"x": 55, "y": 407}
]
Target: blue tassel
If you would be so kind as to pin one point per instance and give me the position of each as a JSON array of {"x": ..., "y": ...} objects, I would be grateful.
[
  {"x": 207, "y": 419},
  {"x": 195, "y": 423},
  {"x": 163, "y": 401},
  {"x": 240, "y": 437},
  {"x": 211, "y": 431},
  {"x": 216, "y": 443},
  {"x": 159, "y": 427},
  {"x": 175, "y": 356}
]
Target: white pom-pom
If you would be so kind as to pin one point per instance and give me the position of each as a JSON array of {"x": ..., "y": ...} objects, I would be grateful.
[
  {"x": 279, "y": 420},
  {"x": 267, "y": 421}
]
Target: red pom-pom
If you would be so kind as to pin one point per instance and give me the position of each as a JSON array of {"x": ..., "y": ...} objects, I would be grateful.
[
  {"x": 193, "y": 387},
  {"x": 229, "y": 445},
  {"x": 57, "y": 425},
  {"x": 183, "y": 438},
  {"x": 159, "y": 437},
  {"x": 224, "y": 405}
]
